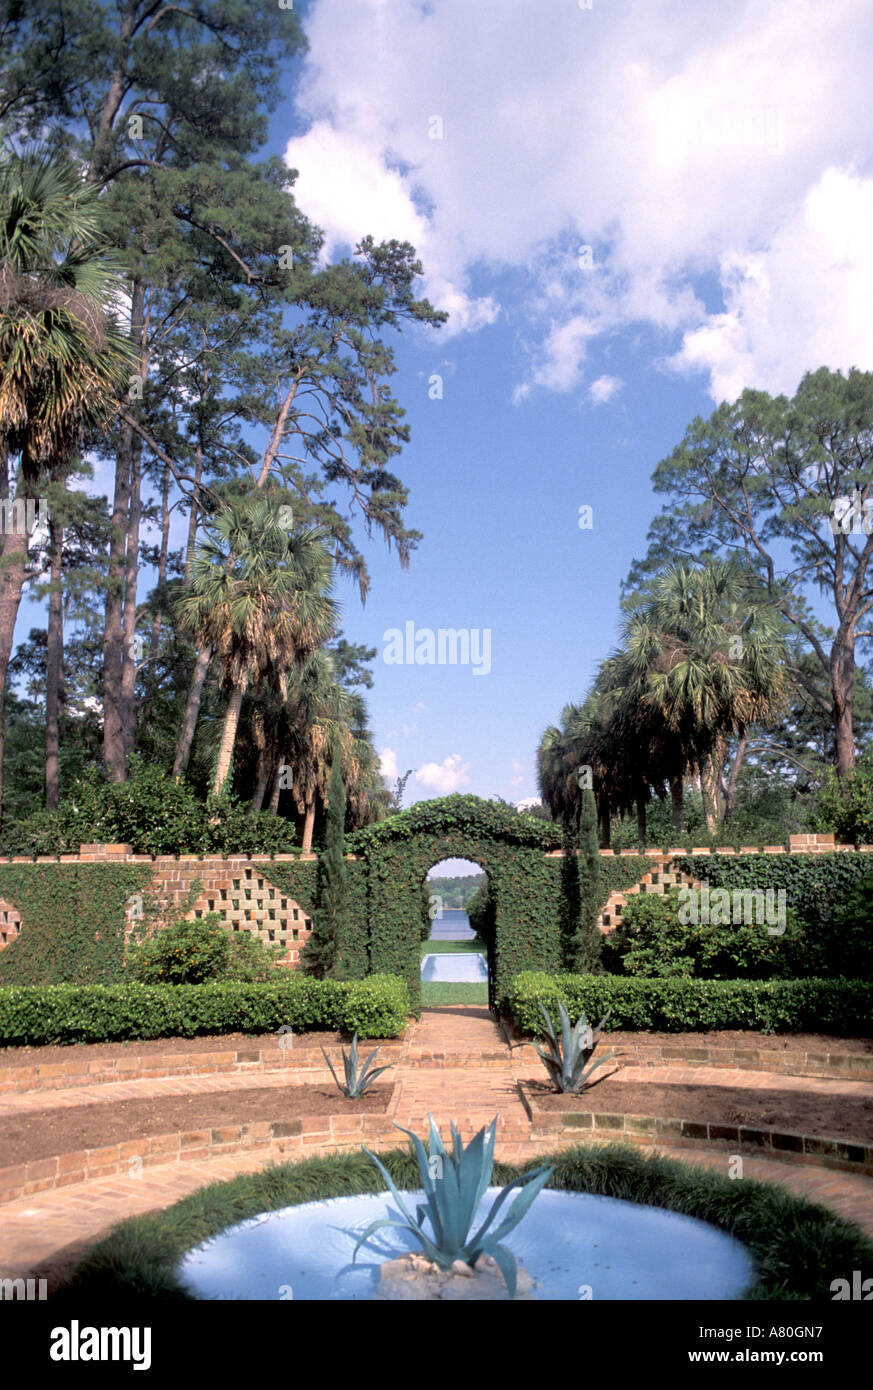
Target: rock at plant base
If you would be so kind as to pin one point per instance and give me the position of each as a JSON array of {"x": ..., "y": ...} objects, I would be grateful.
[{"x": 414, "y": 1278}]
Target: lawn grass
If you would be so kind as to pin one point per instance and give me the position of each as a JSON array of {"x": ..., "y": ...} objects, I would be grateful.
[
  {"x": 451, "y": 948},
  {"x": 448, "y": 992},
  {"x": 796, "y": 1246}
]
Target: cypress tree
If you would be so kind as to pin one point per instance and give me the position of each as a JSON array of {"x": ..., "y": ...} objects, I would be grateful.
[
  {"x": 587, "y": 944},
  {"x": 322, "y": 953}
]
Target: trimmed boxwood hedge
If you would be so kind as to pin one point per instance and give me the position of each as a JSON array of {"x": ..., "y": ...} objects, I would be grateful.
[
  {"x": 843, "y": 1008},
  {"x": 797, "y": 1247},
  {"x": 34, "y": 1015}
]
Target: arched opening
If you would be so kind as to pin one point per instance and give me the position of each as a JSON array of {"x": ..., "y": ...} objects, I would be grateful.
[{"x": 455, "y": 930}]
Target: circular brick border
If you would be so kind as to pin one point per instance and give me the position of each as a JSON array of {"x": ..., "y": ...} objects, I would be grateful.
[
  {"x": 832, "y": 1065},
  {"x": 584, "y": 1126}
]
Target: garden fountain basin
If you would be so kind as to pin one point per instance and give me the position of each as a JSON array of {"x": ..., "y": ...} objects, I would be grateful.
[{"x": 573, "y": 1244}]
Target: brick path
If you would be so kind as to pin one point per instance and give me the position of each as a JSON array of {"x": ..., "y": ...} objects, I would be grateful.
[{"x": 457, "y": 1067}]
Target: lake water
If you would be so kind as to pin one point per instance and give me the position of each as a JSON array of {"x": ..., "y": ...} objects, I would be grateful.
[{"x": 452, "y": 926}]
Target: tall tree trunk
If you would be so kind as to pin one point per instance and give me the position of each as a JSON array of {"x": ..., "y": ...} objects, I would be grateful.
[
  {"x": 308, "y": 826},
  {"x": 113, "y": 638},
  {"x": 131, "y": 570},
  {"x": 163, "y": 560},
  {"x": 731, "y": 796},
  {"x": 192, "y": 710},
  {"x": 641, "y": 821},
  {"x": 13, "y": 572},
  {"x": 265, "y": 761},
  {"x": 228, "y": 739},
  {"x": 54, "y": 665},
  {"x": 276, "y": 789},
  {"x": 677, "y": 797},
  {"x": 709, "y": 793},
  {"x": 842, "y": 690}
]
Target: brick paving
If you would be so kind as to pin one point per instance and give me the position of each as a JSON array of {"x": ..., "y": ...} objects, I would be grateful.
[{"x": 457, "y": 1066}]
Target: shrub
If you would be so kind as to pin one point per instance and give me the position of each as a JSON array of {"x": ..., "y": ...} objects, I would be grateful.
[
  {"x": 154, "y": 814},
  {"x": 37, "y": 1015},
  {"x": 651, "y": 941},
  {"x": 186, "y": 953},
  {"x": 189, "y": 953},
  {"x": 843, "y": 1008},
  {"x": 845, "y": 804}
]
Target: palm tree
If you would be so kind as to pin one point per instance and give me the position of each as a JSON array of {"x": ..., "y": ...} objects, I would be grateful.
[
  {"x": 319, "y": 715},
  {"x": 704, "y": 656},
  {"x": 261, "y": 599},
  {"x": 64, "y": 360}
]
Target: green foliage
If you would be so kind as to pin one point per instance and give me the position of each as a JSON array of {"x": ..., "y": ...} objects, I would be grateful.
[
  {"x": 454, "y": 1185},
  {"x": 481, "y": 912},
  {"x": 36, "y": 1015},
  {"x": 843, "y": 1008},
  {"x": 189, "y": 953},
  {"x": 652, "y": 941},
  {"x": 73, "y": 920},
  {"x": 844, "y": 806},
  {"x": 469, "y": 814},
  {"x": 567, "y": 1059},
  {"x": 586, "y": 945},
  {"x": 358, "y": 1079},
  {"x": 817, "y": 888},
  {"x": 854, "y": 929},
  {"x": 524, "y": 884},
  {"x": 151, "y": 812}
]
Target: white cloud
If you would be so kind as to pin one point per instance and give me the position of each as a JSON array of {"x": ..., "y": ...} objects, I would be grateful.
[
  {"x": 444, "y": 777},
  {"x": 816, "y": 271},
  {"x": 388, "y": 764},
  {"x": 604, "y": 389},
  {"x": 676, "y": 141}
]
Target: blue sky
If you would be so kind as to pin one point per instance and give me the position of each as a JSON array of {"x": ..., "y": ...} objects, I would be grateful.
[{"x": 631, "y": 212}]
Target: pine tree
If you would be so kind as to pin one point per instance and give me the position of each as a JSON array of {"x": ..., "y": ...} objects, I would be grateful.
[
  {"x": 587, "y": 943},
  {"x": 322, "y": 954}
]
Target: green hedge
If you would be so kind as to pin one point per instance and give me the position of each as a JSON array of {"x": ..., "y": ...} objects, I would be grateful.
[
  {"x": 843, "y": 1008},
  {"x": 35, "y": 1015},
  {"x": 73, "y": 918},
  {"x": 817, "y": 886}
]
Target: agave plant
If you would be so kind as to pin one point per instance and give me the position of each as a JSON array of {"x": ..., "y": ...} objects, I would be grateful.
[
  {"x": 454, "y": 1185},
  {"x": 357, "y": 1080},
  {"x": 567, "y": 1060}
]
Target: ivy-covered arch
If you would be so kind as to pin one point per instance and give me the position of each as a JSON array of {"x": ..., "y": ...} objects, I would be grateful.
[{"x": 512, "y": 848}]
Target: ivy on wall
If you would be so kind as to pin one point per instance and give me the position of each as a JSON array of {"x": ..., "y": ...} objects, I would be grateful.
[
  {"x": 72, "y": 921},
  {"x": 816, "y": 887},
  {"x": 524, "y": 886}
]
